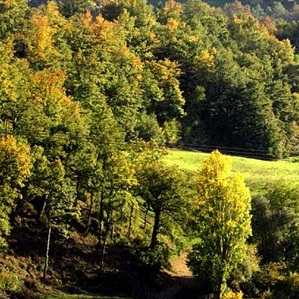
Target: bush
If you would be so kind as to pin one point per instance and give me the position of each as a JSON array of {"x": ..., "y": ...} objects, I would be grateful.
[
  {"x": 9, "y": 281},
  {"x": 157, "y": 258},
  {"x": 288, "y": 287},
  {"x": 266, "y": 295},
  {"x": 269, "y": 275},
  {"x": 241, "y": 276},
  {"x": 275, "y": 281},
  {"x": 148, "y": 128},
  {"x": 232, "y": 295},
  {"x": 198, "y": 266}
]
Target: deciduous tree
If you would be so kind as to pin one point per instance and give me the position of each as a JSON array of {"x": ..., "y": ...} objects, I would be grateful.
[
  {"x": 162, "y": 189},
  {"x": 223, "y": 222}
]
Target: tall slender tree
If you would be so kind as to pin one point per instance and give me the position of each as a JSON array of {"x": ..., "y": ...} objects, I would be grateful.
[{"x": 223, "y": 223}]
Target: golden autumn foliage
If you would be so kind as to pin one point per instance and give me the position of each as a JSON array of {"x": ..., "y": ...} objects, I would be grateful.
[
  {"x": 232, "y": 295},
  {"x": 224, "y": 220},
  {"x": 206, "y": 59},
  {"x": 41, "y": 47},
  {"x": 47, "y": 86},
  {"x": 172, "y": 8},
  {"x": 15, "y": 161}
]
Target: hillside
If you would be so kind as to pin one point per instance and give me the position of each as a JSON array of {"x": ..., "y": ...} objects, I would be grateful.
[
  {"x": 75, "y": 269},
  {"x": 75, "y": 263},
  {"x": 91, "y": 94}
]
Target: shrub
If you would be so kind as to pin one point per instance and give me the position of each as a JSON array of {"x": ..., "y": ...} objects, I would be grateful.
[
  {"x": 288, "y": 287},
  {"x": 232, "y": 295},
  {"x": 266, "y": 294},
  {"x": 275, "y": 281},
  {"x": 9, "y": 281},
  {"x": 269, "y": 275},
  {"x": 157, "y": 258}
]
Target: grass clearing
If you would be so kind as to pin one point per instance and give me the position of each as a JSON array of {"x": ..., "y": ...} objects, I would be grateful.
[{"x": 258, "y": 173}]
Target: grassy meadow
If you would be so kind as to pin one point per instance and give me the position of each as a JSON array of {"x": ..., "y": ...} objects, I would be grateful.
[{"x": 258, "y": 173}]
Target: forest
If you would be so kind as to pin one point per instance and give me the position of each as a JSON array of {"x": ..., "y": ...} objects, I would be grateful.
[{"x": 91, "y": 95}]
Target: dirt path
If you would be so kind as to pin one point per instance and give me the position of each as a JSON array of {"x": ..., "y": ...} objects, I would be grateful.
[
  {"x": 182, "y": 285},
  {"x": 179, "y": 266}
]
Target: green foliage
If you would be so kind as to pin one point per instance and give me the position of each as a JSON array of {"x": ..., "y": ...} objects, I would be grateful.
[
  {"x": 148, "y": 128},
  {"x": 269, "y": 275},
  {"x": 15, "y": 163},
  {"x": 241, "y": 277},
  {"x": 163, "y": 190},
  {"x": 276, "y": 281},
  {"x": 171, "y": 132},
  {"x": 136, "y": 64},
  {"x": 274, "y": 224},
  {"x": 289, "y": 288},
  {"x": 12, "y": 17},
  {"x": 9, "y": 281},
  {"x": 71, "y": 7},
  {"x": 155, "y": 259}
]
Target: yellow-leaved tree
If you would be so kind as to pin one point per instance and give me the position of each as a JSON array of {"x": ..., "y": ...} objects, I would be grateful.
[{"x": 223, "y": 223}]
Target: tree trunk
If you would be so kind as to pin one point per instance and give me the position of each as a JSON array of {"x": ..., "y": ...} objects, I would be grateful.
[
  {"x": 130, "y": 221},
  {"x": 101, "y": 219},
  {"x": 39, "y": 203},
  {"x": 47, "y": 253},
  {"x": 122, "y": 214},
  {"x": 110, "y": 224},
  {"x": 219, "y": 286},
  {"x": 155, "y": 229},
  {"x": 145, "y": 219},
  {"x": 78, "y": 190},
  {"x": 104, "y": 239},
  {"x": 87, "y": 225},
  {"x": 103, "y": 250}
]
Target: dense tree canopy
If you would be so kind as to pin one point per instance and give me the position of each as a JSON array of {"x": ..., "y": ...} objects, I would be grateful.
[{"x": 218, "y": 79}]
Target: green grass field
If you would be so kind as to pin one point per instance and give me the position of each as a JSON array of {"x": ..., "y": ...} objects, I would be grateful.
[{"x": 258, "y": 173}]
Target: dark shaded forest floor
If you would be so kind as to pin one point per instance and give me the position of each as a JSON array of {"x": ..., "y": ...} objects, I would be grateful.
[{"x": 74, "y": 268}]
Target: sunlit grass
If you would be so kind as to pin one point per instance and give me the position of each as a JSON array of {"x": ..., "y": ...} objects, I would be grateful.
[{"x": 258, "y": 174}]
